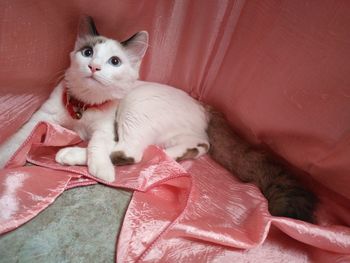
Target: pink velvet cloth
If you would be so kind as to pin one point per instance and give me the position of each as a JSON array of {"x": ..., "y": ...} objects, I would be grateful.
[
  {"x": 279, "y": 70},
  {"x": 193, "y": 212}
]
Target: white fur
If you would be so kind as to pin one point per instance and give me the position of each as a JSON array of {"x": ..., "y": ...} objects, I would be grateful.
[{"x": 153, "y": 113}]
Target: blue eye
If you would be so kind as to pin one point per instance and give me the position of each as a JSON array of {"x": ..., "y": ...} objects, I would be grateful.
[
  {"x": 115, "y": 61},
  {"x": 87, "y": 52}
]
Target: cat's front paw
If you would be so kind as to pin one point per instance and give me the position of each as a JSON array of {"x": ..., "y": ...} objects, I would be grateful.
[
  {"x": 102, "y": 169},
  {"x": 71, "y": 156}
]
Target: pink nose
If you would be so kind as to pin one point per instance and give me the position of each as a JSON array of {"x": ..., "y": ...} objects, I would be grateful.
[{"x": 94, "y": 68}]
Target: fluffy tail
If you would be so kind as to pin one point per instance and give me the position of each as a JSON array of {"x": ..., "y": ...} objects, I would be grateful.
[{"x": 286, "y": 197}]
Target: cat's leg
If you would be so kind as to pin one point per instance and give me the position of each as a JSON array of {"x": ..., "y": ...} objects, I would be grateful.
[
  {"x": 72, "y": 156},
  {"x": 98, "y": 154},
  {"x": 186, "y": 146}
]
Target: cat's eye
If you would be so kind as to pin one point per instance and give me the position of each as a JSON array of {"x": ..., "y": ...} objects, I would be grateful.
[
  {"x": 87, "y": 52},
  {"x": 115, "y": 61}
]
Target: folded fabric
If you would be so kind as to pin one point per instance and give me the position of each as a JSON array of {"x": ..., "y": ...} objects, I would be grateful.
[{"x": 190, "y": 212}]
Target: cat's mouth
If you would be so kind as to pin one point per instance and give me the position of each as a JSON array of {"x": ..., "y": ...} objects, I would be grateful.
[{"x": 93, "y": 78}]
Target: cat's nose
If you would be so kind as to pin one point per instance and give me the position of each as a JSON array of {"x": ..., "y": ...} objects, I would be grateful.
[{"x": 94, "y": 68}]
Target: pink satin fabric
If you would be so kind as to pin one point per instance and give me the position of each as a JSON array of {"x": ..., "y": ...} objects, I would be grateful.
[
  {"x": 193, "y": 211},
  {"x": 279, "y": 70}
]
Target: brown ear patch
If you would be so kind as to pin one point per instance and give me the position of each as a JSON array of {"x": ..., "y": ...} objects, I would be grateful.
[
  {"x": 189, "y": 154},
  {"x": 89, "y": 41},
  {"x": 119, "y": 158}
]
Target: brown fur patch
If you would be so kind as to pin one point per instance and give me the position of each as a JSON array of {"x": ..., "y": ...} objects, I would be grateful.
[
  {"x": 189, "y": 154},
  {"x": 119, "y": 158}
]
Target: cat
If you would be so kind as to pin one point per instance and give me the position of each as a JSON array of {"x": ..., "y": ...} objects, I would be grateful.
[
  {"x": 144, "y": 113},
  {"x": 87, "y": 98}
]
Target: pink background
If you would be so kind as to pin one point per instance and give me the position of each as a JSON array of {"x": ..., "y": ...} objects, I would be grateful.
[{"x": 278, "y": 69}]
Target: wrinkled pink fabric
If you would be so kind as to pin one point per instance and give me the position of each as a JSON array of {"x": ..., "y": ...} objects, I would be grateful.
[
  {"x": 279, "y": 70},
  {"x": 192, "y": 212}
]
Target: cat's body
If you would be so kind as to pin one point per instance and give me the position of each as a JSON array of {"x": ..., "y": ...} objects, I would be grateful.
[
  {"x": 131, "y": 115},
  {"x": 156, "y": 114}
]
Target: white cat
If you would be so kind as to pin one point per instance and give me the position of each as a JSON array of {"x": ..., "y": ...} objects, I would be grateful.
[{"x": 103, "y": 71}]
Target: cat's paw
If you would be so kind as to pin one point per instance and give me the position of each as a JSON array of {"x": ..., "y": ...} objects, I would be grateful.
[
  {"x": 71, "y": 156},
  {"x": 102, "y": 169}
]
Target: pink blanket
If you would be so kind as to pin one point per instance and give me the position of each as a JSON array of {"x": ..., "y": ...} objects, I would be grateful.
[{"x": 193, "y": 212}]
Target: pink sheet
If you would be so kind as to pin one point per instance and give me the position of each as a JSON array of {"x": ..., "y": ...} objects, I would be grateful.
[
  {"x": 192, "y": 212},
  {"x": 279, "y": 70}
]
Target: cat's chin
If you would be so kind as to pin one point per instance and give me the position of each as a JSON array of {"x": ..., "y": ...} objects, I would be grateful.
[{"x": 98, "y": 89}]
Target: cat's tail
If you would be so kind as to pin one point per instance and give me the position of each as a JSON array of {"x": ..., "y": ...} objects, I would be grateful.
[{"x": 286, "y": 196}]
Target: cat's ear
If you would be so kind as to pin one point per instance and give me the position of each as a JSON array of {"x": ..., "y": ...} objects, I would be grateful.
[
  {"x": 136, "y": 47},
  {"x": 87, "y": 27}
]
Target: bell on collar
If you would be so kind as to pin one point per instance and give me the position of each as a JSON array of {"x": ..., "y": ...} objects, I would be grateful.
[{"x": 78, "y": 115}]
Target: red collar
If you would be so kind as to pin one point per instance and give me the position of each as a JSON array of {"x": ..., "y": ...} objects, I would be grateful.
[{"x": 75, "y": 107}]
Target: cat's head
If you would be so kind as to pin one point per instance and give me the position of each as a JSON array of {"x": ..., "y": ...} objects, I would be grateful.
[{"x": 101, "y": 68}]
